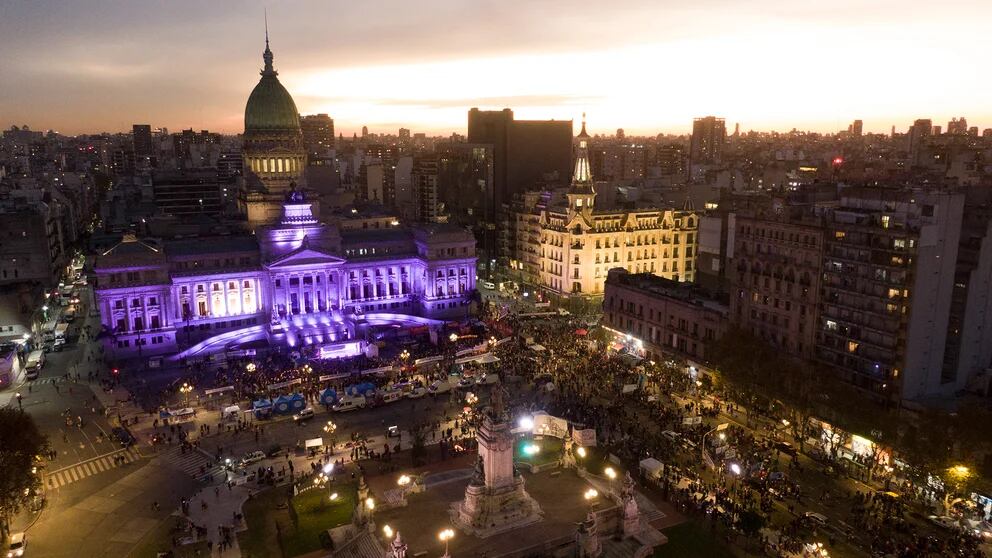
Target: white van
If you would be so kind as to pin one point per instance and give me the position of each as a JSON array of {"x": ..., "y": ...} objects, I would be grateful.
[
  {"x": 349, "y": 403},
  {"x": 36, "y": 361},
  {"x": 440, "y": 386},
  {"x": 392, "y": 395}
]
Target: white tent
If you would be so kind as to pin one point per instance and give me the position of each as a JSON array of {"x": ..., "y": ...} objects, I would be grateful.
[{"x": 652, "y": 468}]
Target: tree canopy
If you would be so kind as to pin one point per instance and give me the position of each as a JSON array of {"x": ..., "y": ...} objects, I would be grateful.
[{"x": 20, "y": 443}]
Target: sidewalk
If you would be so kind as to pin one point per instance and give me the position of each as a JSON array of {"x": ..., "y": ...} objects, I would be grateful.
[{"x": 223, "y": 503}]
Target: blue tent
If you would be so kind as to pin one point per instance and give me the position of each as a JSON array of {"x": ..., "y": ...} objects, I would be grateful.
[
  {"x": 329, "y": 397},
  {"x": 261, "y": 408},
  {"x": 282, "y": 405},
  {"x": 365, "y": 388},
  {"x": 297, "y": 402}
]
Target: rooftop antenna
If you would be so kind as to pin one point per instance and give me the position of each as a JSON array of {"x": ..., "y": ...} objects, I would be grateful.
[{"x": 265, "y": 12}]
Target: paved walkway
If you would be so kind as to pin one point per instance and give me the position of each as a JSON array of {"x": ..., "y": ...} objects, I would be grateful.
[{"x": 222, "y": 503}]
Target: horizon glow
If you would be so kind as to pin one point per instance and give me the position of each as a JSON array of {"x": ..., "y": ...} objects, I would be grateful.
[{"x": 646, "y": 66}]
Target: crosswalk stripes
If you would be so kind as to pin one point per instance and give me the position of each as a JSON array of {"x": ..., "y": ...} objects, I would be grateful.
[
  {"x": 80, "y": 471},
  {"x": 193, "y": 462},
  {"x": 49, "y": 380}
]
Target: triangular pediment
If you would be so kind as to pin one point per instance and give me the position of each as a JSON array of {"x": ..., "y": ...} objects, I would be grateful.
[{"x": 303, "y": 256}]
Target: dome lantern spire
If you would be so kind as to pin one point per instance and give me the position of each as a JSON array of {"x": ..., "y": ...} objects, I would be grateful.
[{"x": 267, "y": 55}]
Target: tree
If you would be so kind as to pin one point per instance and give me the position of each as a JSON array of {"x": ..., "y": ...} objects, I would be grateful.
[
  {"x": 750, "y": 523},
  {"x": 20, "y": 442}
]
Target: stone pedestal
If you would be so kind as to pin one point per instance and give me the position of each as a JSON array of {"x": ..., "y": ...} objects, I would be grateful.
[
  {"x": 587, "y": 543},
  {"x": 495, "y": 500},
  {"x": 487, "y": 511}
]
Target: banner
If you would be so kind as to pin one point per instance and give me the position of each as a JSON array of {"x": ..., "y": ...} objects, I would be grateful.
[
  {"x": 218, "y": 390},
  {"x": 329, "y": 377},
  {"x": 585, "y": 438},
  {"x": 281, "y": 385},
  {"x": 547, "y": 425},
  {"x": 692, "y": 421},
  {"x": 313, "y": 443}
]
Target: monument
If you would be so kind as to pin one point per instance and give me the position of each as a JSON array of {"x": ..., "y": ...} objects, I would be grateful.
[{"x": 495, "y": 499}]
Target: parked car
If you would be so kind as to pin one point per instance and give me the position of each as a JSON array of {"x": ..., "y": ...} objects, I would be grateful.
[
  {"x": 671, "y": 436},
  {"x": 303, "y": 415},
  {"x": 440, "y": 386},
  {"x": 945, "y": 522},
  {"x": 816, "y": 518},
  {"x": 786, "y": 448},
  {"x": 252, "y": 457},
  {"x": 18, "y": 542}
]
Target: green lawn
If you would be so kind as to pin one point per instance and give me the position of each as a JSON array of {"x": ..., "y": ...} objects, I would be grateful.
[
  {"x": 549, "y": 450},
  {"x": 693, "y": 539},
  {"x": 262, "y": 513},
  {"x": 159, "y": 539},
  {"x": 315, "y": 514}
]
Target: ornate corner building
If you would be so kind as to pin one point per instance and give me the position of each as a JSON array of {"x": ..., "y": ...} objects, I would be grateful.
[{"x": 567, "y": 247}]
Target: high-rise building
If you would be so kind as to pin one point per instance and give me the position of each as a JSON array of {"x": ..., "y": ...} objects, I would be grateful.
[
  {"x": 318, "y": 136},
  {"x": 425, "y": 190},
  {"x": 709, "y": 134},
  {"x": 33, "y": 249},
  {"x": 672, "y": 160},
  {"x": 141, "y": 137},
  {"x": 919, "y": 133},
  {"x": 404, "y": 134},
  {"x": 387, "y": 156},
  {"x": 857, "y": 128},
  {"x": 887, "y": 286},
  {"x": 957, "y": 126},
  {"x": 192, "y": 192},
  {"x": 465, "y": 189},
  {"x": 365, "y": 131},
  {"x": 774, "y": 276},
  {"x": 525, "y": 152}
]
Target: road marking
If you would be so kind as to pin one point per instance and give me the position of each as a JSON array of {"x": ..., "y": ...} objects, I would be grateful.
[{"x": 90, "y": 467}]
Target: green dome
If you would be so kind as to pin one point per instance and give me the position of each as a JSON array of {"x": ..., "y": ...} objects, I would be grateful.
[{"x": 270, "y": 107}]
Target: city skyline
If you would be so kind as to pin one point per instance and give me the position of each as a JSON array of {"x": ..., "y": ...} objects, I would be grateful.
[{"x": 92, "y": 68}]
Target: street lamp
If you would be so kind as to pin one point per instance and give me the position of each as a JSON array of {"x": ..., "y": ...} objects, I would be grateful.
[
  {"x": 403, "y": 480},
  {"x": 185, "y": 389},
  {"x": 445, "y": 536},
  {"x": 453, "y": 337},
  {"x": 719, "y": 428},
  {"x": 610, "y": 472},
  {"x": 388, "y": 531},
  {"x": 330, "y": 427},
  {"x": 404, "y": 355},
  {"x": 581, "y": 451}
]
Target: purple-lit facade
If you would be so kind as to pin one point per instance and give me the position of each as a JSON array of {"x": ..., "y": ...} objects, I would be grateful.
[{"x": 295, "y": 283}]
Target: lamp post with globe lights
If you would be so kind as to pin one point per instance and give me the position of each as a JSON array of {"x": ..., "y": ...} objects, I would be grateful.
[
  {"x": 185, "y": 389},
  {"x": 445, "y": 536},
  {"x": 611, "y": 473}
]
